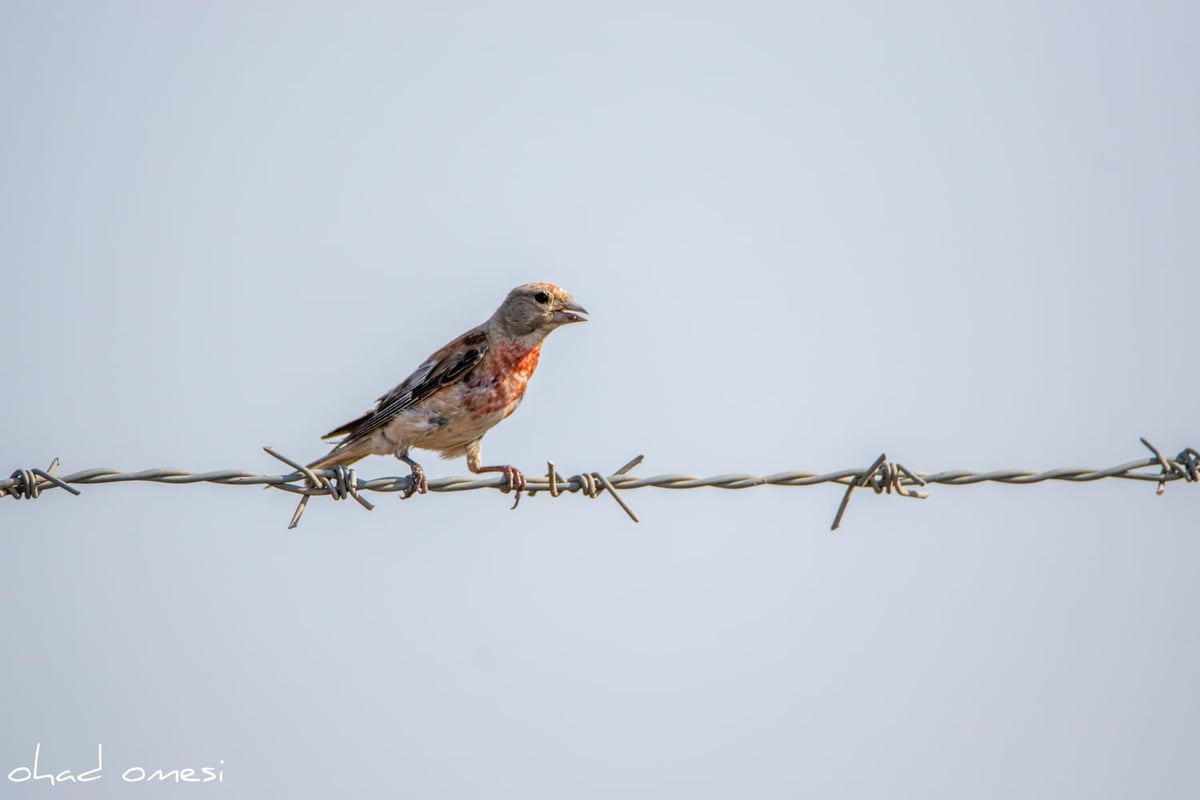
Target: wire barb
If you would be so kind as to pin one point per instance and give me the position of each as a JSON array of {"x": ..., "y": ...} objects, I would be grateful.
[
  {"x": 882, "y": 476},
  {"x": 590, "y": 484},
  {"x": 1188, "y": 461},
  {"x": 24, "y": 484},
  {"x": 341, "y": 482},
  {"x": 1186, "y": 465}
]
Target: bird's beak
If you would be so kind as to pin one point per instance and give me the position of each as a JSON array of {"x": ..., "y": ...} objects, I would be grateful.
[{"x": 563, "y": 314}]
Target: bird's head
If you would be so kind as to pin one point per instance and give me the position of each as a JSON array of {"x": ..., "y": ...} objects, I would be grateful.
[{"x": 533, "y": 310}]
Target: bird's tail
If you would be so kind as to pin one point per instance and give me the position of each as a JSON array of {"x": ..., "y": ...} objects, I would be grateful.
[{"x": 345, "y": 454}]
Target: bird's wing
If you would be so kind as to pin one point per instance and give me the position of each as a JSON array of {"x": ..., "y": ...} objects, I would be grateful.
[{"x": 444, "y": 367}]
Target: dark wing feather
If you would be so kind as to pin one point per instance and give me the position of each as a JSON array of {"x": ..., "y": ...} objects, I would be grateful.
[{"x": 428, "y": 378}]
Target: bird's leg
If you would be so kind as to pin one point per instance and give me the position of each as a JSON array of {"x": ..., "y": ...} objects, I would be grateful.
[
  {"x": 419, "y": 484},
  {"x": 514, "y": 476}
]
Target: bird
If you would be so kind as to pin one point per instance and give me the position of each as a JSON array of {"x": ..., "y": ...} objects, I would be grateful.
[{"x": 462, "y": 391}]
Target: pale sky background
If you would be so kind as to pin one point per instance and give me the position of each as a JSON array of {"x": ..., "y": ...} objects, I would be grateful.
[{"x": 967, "y": 234}]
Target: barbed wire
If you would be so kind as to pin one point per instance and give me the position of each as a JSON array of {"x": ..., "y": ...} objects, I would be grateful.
[{"x": 343, "y": 482}]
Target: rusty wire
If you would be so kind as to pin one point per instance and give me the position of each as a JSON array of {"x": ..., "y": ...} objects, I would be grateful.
[{"x": 340, "y": 483}]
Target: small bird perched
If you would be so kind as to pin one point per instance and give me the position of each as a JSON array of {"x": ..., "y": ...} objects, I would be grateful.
[{"x": 462, "y": 391}]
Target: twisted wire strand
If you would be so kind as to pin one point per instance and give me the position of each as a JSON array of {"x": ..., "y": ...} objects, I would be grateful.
[{"x": 341, "y": 483}]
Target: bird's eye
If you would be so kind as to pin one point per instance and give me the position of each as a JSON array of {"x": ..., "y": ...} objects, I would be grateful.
[{"x": 542, "y": 297}]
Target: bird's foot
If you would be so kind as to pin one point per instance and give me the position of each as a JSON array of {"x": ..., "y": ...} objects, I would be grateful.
[
  {"x": 417, "y": 483},
  {"x": 516, "y": 480}
]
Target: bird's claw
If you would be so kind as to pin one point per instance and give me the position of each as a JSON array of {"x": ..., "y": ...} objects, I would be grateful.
[
  {"x": 516, "y": 480},
  {"x": 417, "y": 483}
]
